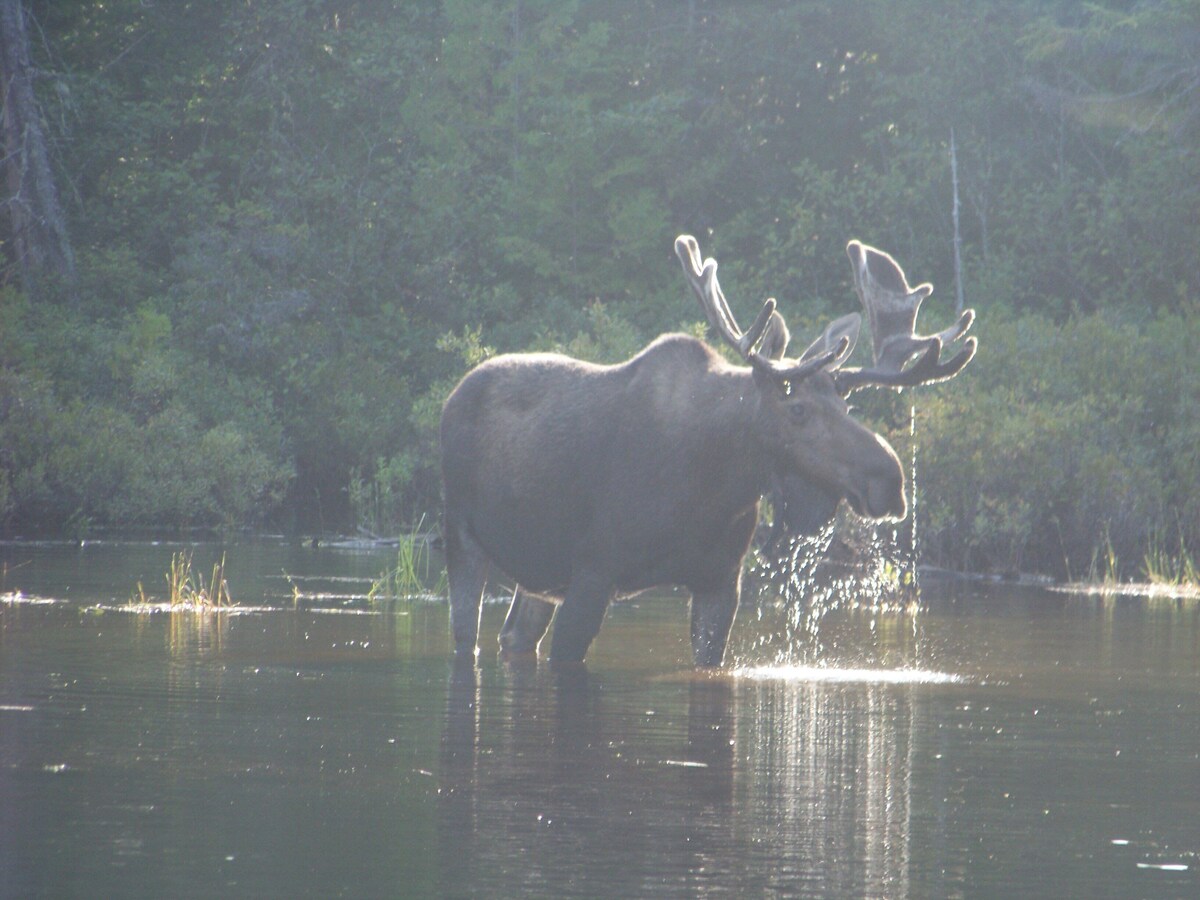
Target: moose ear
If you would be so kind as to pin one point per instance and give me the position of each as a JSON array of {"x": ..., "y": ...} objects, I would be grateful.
[{"x": 775, "y": 339}]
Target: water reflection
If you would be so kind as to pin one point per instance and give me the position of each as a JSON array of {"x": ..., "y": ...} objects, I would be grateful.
[
  {"x": 556, "y": 786},
  {"x": 839, "y": 675},
  {"x": 197, "y": 634},
  {"x": 456, "y": 826},
  {"x": 835, "y": 782}
]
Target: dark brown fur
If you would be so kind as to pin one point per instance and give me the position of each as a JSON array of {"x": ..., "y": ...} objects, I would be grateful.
[{"x": 582, "y": 482}]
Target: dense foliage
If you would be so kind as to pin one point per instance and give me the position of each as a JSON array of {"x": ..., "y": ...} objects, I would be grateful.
[{"x": 295, "y": 222}]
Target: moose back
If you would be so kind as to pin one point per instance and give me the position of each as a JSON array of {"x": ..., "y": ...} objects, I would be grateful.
[{"x": 582, "y": 482}]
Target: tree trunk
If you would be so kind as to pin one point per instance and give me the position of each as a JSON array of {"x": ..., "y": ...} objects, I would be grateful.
[
  {"x": 37, "y": 241},
  {"x": 958, "y": 284}
]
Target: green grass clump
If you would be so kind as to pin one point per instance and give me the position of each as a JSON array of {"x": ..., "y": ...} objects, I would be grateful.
[
  {"x": 1161, "y": 566},
  {"x": 415, "y": 573},
  {"x": 186, "y": 590}
]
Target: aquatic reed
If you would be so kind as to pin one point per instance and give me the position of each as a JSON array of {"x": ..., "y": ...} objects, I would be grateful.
[
  {"x": 1162, "y": 567},
  {"x": 414, "y": 574},
  {"x": 186, "y": 589},
  {"x": 1105, "y": 567}
]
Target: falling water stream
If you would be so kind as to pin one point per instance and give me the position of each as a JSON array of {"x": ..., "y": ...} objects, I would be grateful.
[{"x": 875, "y": 577}]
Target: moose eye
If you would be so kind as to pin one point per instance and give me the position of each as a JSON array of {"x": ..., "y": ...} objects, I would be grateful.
[{"x": 798, "y": 412}]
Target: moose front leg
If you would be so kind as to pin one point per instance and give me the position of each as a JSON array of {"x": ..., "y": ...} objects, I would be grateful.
[
  {"x": 578, "y": 618},
  {"x": 526, "y": 623},
  {"x": 713, "y": 610}
]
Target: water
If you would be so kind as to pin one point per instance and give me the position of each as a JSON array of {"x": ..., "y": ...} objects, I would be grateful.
[{"x": 1000, "y": 742}]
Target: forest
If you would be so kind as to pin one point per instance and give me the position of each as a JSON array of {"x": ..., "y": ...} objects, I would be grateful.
[{"x": 250, "y": 245}]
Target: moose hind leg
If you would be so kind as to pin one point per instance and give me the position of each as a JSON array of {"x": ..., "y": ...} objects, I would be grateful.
[
  {"x": 526, "y": 624},
  {"x": 578, "y": 619},
  {"x": 712, "y": 618},
  {"x": 466, "y": 570}
]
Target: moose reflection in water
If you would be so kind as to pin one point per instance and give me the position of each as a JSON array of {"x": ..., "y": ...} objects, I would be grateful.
[
  {"x": 538, "y": 792},
  {"x": 582, "y": 482},
  {"x": 552, "y": 792}
]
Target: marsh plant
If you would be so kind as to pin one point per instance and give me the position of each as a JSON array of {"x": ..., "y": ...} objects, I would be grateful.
[
  {"x": 188, "y": 590},
  {"x": 1162, "y": 567},
  {"x": 1104, "y": 569},
  {"x": 415, "y": 574}
]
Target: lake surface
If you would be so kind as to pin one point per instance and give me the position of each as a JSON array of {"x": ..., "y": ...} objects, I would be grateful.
[{"x": 991, "y": 742}]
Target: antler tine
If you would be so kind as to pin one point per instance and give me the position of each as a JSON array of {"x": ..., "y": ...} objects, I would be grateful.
[
  {"x": 959, "y": 328},
  {"x": 703, "y": 279},
  {"x": 745, "y": 342},
  {"x": 847, "y": 327},
  {"x": 892, "y": 306},
  {"x": 928, "y": 369},
  {"x": 698, "y": 275},
  {"x": 793, "y": 372}
]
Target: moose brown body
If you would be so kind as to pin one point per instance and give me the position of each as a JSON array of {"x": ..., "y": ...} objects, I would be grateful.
[{"x": 582, "y": 482}]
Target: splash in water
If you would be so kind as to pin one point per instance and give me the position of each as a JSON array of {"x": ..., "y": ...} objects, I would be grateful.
[
  {"x": 834, "y": 675},
  {"x": 851, "y": 567}
]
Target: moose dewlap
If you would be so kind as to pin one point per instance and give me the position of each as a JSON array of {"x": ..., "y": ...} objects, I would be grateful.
[{"x": 582, "y": 482}]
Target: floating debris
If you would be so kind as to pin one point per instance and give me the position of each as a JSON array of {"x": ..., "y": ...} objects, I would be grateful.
[{"x": 16, "y": 598}]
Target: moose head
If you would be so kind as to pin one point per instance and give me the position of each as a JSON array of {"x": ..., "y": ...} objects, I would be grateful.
[{"x": 804, "y": 399}]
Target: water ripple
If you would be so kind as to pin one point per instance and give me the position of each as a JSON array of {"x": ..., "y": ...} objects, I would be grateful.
[{"x": 831, "y": 674}]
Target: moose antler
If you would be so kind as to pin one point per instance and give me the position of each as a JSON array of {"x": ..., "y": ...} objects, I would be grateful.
[
  {"x": 891, "y": 307},
  {"x": 703, "y": 279},
  {"x": 764, "y": 344}
]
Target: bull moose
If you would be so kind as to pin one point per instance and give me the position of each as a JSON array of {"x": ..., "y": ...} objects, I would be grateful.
[{"x": 584, "y": 482}]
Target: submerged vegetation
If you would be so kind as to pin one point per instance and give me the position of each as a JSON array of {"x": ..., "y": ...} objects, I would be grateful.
[{"x": 295, "y": 225}]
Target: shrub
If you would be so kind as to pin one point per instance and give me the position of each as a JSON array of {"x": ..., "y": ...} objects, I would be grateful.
[{"x": 1058, "y": 439}]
